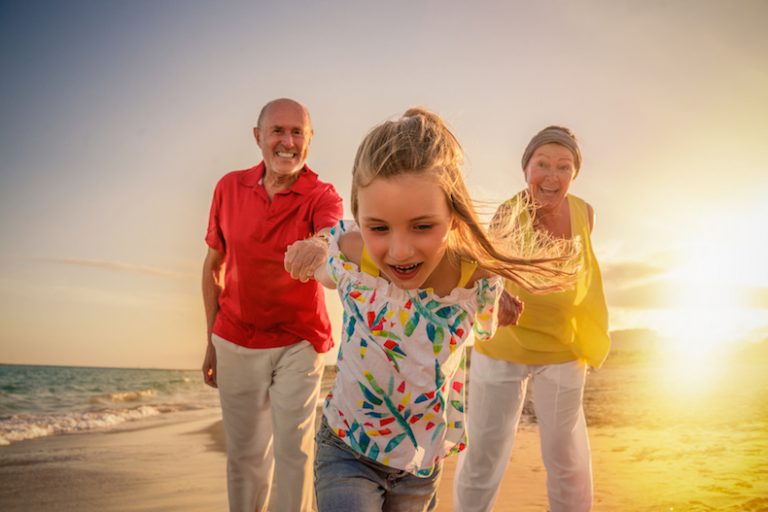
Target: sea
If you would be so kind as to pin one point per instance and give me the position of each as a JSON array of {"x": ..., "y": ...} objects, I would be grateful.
[
  {"x": 631, "y": 389},
  {"x": 41, "y": 401}
]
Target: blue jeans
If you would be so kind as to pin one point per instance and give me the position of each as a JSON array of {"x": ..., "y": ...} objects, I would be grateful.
[{"x": 346, "y": 481}]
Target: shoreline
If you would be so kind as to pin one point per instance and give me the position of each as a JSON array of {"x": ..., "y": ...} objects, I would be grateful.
[
  {"x": 169, "y": 464},
  {"x": 163, "y": 464},
  {"x": 177, "y": 463}
]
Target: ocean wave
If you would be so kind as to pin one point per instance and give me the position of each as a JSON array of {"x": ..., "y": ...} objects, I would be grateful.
[
  {"x": 124, "y": 396},
  {"x": 20, "y": 427}
]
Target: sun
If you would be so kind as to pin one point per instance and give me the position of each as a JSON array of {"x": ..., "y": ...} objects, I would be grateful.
[{"x": 709, "y": 313}]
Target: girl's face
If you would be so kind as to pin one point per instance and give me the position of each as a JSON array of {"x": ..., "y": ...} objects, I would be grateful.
[
  {"x": 405, "y": 222},
  {"x": 549, "y": 174}
]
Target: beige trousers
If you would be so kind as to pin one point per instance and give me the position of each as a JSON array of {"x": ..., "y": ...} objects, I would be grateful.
[
  {"x": 496, "y": 396},
  {"x": 268, "y": 403}
]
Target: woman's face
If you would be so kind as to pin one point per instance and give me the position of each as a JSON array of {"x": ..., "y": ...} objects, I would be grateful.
[{"x": 549, "y": 174}]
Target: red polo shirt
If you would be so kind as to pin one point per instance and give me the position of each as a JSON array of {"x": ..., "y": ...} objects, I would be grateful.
[{"x": 261, "y": 306}]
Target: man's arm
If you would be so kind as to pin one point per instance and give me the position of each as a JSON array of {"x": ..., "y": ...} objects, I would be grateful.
[{"x": 212, "y": 286}]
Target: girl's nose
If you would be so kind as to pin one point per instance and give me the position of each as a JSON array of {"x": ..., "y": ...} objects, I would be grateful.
[{"x": 400, "y": 249}]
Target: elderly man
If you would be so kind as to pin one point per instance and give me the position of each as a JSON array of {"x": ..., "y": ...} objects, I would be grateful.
[{"x": 266, "y": 331}]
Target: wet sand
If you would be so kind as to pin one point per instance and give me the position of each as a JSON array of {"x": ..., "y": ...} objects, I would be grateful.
[
  {"x": 687, "y": 454},
  {"x": 168, "y": 465},
  {"x": 165, "y": 465}
]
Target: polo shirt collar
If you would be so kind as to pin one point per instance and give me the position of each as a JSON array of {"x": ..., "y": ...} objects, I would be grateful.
[{"x": 304, "y": 184}]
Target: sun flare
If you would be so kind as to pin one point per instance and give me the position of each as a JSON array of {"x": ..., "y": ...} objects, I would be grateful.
[{"x": 709, "y": 315}]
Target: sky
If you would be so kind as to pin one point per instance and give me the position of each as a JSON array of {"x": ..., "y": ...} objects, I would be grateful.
[{"x": 117, "y": 118}]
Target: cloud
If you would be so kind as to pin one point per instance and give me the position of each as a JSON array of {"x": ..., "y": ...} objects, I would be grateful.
[
  {"x": 623, "y": 273},
  {"x": 757, "y": 298},
  {"x": 117, "y": 266},
  {"x": 23, "y": 293},
  {"x": 669, "y": 293},
  {"x": 653, "y": 295},
  {"x": 636, "y": 285}
]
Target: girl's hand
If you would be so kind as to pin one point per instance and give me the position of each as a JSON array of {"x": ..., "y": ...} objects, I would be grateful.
[
  {"x": 304, "y": 257},
  {"x": 510, "y": 309}
]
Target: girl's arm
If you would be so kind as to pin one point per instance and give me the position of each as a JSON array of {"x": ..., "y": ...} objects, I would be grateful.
[
  {"x": 351, "y": 246},
  {"x": 307, "y": 259},
  {"x": 509, "y": 308},
  {"x": 496, "y": 307},
  {"x": 322, "y": 277}
]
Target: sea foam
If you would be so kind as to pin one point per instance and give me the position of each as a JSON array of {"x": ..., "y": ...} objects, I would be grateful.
[
  {"x": 20, "y": 427},
  {"x": 41, "y": 401}
]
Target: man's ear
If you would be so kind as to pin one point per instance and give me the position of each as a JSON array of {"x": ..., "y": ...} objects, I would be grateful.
[{"x": 257, "y": 135}]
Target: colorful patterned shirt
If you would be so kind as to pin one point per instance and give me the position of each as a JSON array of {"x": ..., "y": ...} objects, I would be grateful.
[{"x": 399, "y": 392}]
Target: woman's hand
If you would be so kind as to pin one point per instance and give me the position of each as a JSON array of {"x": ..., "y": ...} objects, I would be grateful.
[{"x": 510, "y": 309}]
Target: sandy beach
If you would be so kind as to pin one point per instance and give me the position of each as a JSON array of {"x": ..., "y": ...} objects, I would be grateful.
[
  {"x": 175, "y": 465},
  {"x": 657, "y": 446},
  {"x": 178, "y": 465},
  {"x": 164, "y": 465}
]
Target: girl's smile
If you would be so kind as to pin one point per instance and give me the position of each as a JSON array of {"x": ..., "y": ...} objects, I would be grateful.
[{"x": 405, "y": 222}]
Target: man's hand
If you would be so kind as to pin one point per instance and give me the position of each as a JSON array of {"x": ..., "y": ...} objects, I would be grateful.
[
  {"x": 510, "y": 309},
  {"x": 304, "y": 257},
  {"x": 209, "y": 366}
]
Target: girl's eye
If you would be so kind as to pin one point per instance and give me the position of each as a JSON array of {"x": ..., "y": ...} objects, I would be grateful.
[
  {"x": 423, "y": 227},
  {"x": 378, "y": 229}
]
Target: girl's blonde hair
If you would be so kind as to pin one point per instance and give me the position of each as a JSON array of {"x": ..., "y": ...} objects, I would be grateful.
[{"x": 420, "y": 142}]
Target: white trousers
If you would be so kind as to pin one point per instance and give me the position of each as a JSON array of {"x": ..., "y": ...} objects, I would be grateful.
[
  {"x": 496, "y": 396},
  {"x": 268, "y": 403}
]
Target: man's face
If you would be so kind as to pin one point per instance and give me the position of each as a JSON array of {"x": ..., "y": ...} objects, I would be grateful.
[{"x": 284, "y": 136}]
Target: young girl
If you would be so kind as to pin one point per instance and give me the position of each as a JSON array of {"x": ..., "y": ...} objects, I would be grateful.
[{"x": 415, "y": 273}]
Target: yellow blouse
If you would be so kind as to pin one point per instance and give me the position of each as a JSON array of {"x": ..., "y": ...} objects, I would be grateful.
[{"x": 561, "y": 326}]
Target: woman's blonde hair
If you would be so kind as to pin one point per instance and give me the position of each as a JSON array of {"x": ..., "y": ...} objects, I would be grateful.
[{"x": 420, "y": 142}]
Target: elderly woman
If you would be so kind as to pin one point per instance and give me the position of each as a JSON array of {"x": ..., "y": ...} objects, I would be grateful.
[{"x": 558, "y": 336}]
